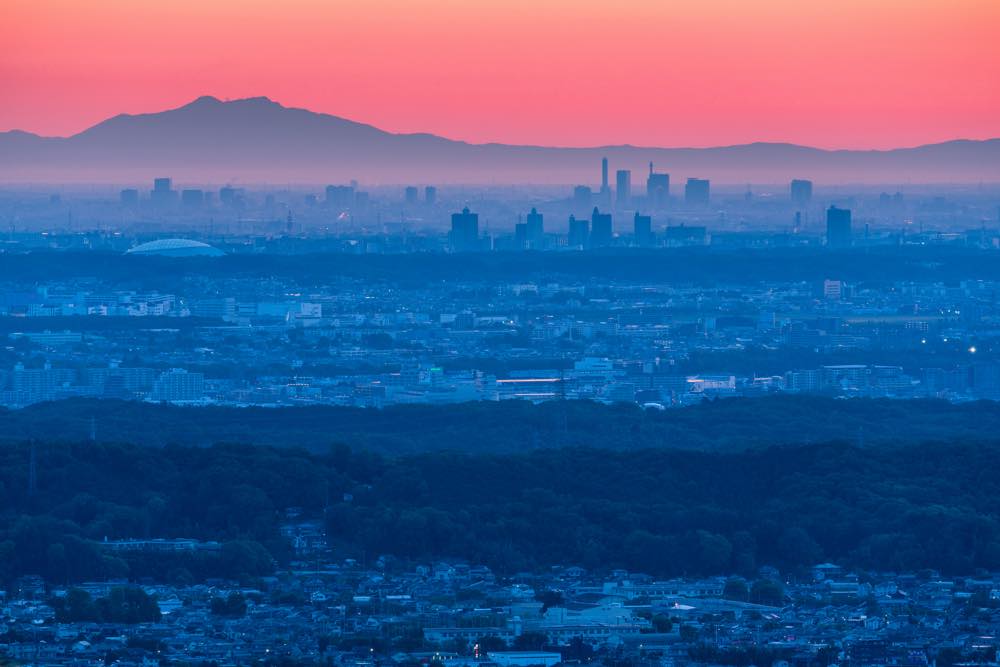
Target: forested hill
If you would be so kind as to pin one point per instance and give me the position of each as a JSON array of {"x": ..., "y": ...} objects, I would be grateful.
[
  {"x": 513, "y": 426},
  {"x": 665, "y": 512}
]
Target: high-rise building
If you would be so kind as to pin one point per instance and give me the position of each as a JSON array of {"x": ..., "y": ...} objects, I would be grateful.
[
  {"x": 192, "y": 198},
  {"x": 838, "y": 227},
  {"x": 696, "y": 192},
  {"x": 227, "y": 195},
  {"x": 464, "y": 231},
  {"x": 521, "y": 235},
  {"x": 412, "y": 195},
  {"x": 534, "y": 230},
  {"x": 340, "y": 196},
  {"x": 801, "y": 192},
  {"x": 129, "y": 198},
  {"x": 163, "y": 193},
  {"x": 657, "y": 189},
  {"x": 623, "y": 187},
  {"x": 604, "y": 177},
  {"x": 643, "y": 230},
  {"x": 430, "y": 195},
  {"x": 583, "y": 198},
  {"x": 579, "y": 232},
  {"x": 601, "y": 229}
]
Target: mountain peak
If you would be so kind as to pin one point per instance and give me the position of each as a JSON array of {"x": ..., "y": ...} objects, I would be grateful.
[{"x": 210, "y": 101}]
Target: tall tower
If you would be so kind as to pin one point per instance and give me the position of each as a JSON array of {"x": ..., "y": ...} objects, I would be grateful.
[{"x": 604, "y": 176}]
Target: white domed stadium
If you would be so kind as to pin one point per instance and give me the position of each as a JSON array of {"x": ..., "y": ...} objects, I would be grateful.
[{"x": 175, "y": 248}]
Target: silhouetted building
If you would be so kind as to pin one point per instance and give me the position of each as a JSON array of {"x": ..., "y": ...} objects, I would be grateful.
[
  {"x": 605, "y": 190},
  {"x": 579, "y": 232},
  {"x": 228, "y": 195},
  {"x": 430, "y": 195},
  {"x": 838, "y": 227},
  {"x": 601, "y": 229},
  {"x": 340, "y": 196},
  {"x": 696, "y": 191},
  {"x": 801, "y": 192},
  {"x": 534, "y": 229},
  {"x": 163, "y": 193},
  {"x": 129, "y": 198},
  {"x": 657, "y": 189},
  {"x": 583, "y": 198},
  {"x": 192, "y": 198},
  {"x": 464, "y": 231},
  {"x": 643, "y": 230},
  {"x": 521, "y": 235},
  {"x": 412, "y": 195},
  {"x": 623, "y": 187}
]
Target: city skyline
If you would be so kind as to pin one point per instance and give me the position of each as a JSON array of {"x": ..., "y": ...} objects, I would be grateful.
[{"x": 718, "y": 74}]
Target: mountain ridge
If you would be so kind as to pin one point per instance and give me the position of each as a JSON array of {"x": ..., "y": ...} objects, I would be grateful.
[{"x": 210, "y": 140}]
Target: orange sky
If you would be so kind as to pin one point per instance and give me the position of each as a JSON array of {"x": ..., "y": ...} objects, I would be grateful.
[{"x": 831, "y": 73}]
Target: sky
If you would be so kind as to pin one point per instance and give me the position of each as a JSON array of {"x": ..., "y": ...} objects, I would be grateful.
[{"x": 825, "y": 73}]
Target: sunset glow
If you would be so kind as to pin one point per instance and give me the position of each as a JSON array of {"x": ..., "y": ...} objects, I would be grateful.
[{"x": 830, "y": 73}]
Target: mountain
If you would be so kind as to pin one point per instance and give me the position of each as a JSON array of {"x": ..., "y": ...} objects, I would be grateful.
[{"x": 257, "y": 140}]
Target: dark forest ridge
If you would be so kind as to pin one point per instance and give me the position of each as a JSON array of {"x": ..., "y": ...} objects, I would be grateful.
[
  {"x": 697, "y": 265},
  {"x": 259, "y": 140},
  {"x": 513, "y": 426}
]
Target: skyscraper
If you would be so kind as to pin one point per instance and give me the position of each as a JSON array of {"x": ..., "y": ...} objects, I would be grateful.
[
  {"x": 340, "y": 196},
  {"x": 838, "y": 227},
  {"x": 582, "y": 198},
  {"x": 534, "y": 229},
  {"x": 430, "y": 195},
  {"x": 579, "y": 232},
  {"x": 411, "y": 195},
  {"x": 464, "y": 231},
  {"x": 623, "y": 187},
  {"x": 130, "y": 198},
  {"x": 601, "y": 229},
  {"x": 192, "y": 198},
  {"x": 643, "y": 230},
  {"x": 696, "y": 192},
  {"x": 604, "y": 177},
  {"x": 657, "y": 189},
  {"x": 801, "y": 192},
  {"x": 521, "y": 235},
  {"x": 163, "y": 193}
]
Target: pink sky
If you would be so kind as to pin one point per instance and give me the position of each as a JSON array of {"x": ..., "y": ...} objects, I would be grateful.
[{"x": 829, "y": 73}]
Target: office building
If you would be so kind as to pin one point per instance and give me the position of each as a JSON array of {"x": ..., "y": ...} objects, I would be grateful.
[
  {"x": 696, "y": 192},
  {"x": 464, "y": 231},
  {"x": 129, "y": 198},
  {"x": 601, "y": 229},
  {"x": 339, "y": 196},
  {"x": 583, "y": 198},
  {"x": 838, "y": 227},
  {"x": 623, "y": 187},
  {"x": 579, "y": 232},
  {"x": 411, "y": 195},
  {"x": 534, "y": 229},
  {"x": 430, "y": 195},
  {"x": 801, "y": 192},
  {"x": 605, "y": 190},
  {"x": 192, "y": 198},
  {"x": 643, "y": 230},
  {"x": 163, "y": 194},
  {"x": 657, "y": 189}
]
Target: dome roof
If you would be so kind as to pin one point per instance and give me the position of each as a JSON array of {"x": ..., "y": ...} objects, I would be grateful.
[{"x": 175, "y": 248}]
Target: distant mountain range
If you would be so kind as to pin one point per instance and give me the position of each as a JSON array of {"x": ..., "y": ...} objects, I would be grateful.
[{"x": 256, "y": 140}]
